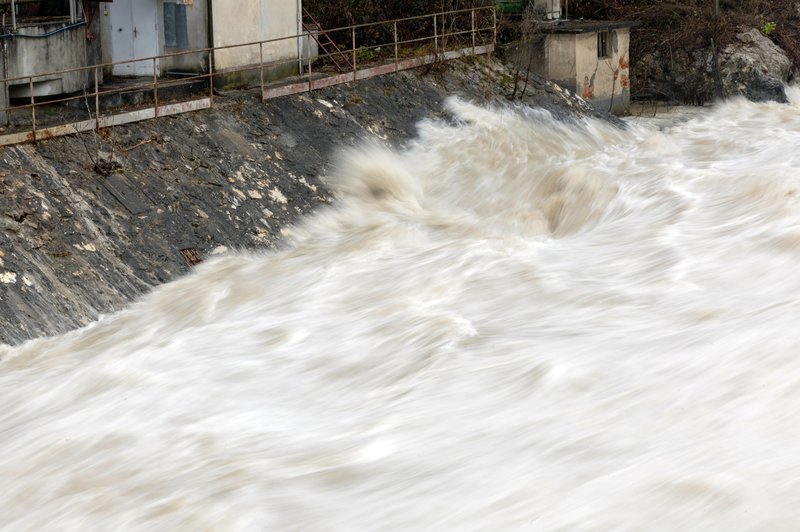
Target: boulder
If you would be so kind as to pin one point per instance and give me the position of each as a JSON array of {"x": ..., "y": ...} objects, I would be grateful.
[{"x": 754, "y": 67}]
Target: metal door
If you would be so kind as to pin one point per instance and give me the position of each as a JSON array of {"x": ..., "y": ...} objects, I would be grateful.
[{"x": 134, "y": 34}]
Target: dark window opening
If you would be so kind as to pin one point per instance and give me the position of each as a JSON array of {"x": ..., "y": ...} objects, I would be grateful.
[
  {"x": 176, "y": 34},
  {"x": 603, "y": 44}
]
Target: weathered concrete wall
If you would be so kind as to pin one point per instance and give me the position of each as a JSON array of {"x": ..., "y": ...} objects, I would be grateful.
[
  {"x": 560, "y": 60},
  {"x": 3, "y": 99},
  {"x": 104, "y": 30},
  {"x": 243, "y": 21},
  {"x": 198, "y": 38},
  {"x": 63, "y": 50},
  {"x": 76, "y": 242},
  {"x": 3, "y": 87},
  {"x": 604, "y": 81}
]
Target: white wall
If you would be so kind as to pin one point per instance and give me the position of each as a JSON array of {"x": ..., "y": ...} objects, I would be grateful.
[
  {"x": 560, "y": 59},
  {"x": 242, "y": 21},
  {"x": 604, "y": 81}
]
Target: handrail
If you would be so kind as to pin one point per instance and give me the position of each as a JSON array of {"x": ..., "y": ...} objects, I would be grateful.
[
  {"x": 438, "y": 40},
  {"x": 242, "y": 45}
]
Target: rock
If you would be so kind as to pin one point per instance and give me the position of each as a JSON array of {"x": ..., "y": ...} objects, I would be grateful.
[
  {"x": 752, "y": 66},
  {"x": 755, "y": 67}
]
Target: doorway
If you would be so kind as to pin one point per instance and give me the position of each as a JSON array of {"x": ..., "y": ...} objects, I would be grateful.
[{"x": 134, "y": 34}]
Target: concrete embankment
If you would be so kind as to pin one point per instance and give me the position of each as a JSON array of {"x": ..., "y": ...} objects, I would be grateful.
[{"x": 90, "y": 222}]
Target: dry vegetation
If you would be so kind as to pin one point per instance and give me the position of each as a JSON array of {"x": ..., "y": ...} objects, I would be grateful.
[{"x": 680, "y": 27}]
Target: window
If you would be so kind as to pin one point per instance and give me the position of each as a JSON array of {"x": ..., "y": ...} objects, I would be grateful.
[
  {"x": 603, "y": 44},
  {"x": 176, "y": 34}
]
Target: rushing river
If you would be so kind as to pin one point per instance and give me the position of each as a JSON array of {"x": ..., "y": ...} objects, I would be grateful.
[{"x": 517, "y": 323}]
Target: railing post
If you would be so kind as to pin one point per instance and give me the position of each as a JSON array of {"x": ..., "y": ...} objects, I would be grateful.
[
  {"x": 155, "y": 85},
  {"x": 396, "y": 59},
  {"x": 435, "y": 34},
  {"x": 13, "y": 15},
  {"x": 96, "y": 100},
  {"x": 33, "y": 108},
  {"x": 472, "y": 13},
  {"x": 261, "y": 67},
  {"x": 308, "y": 58},
  {"x": 354, "y": 53},
  {"x": 211, "y": 77},
  {"x": 494, "y": 26}
]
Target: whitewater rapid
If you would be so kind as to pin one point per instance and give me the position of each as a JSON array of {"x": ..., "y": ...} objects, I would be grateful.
[{"x": 515, "y": 324}]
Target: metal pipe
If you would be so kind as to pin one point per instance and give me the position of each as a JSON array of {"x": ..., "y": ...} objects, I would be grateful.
[
  {"x": 354, "y": 53},
  {"x": 14, "y": 15},
  {"x": 435, "y": 35},
  {"x": 494, "y": 26},
  {"x": 396, "y": 58},
  {"x": 33, "y": 109},
  {"x": 211, "y": 77},
  {"x": 308, "y": 57},
  {"x": 473, "y": 31},
  {"x": 300, "y": 39},
  {"x": 96, "y": 99},
  {"x": 261, "y": 67},
  {"x": 155, "y": 86},
  {"x": 72, "y": 11}
]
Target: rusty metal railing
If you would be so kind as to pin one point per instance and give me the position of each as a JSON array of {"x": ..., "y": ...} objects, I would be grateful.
[{"x": 374, "y": 49}]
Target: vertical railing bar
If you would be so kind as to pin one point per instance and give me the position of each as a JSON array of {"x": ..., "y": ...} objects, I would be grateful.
[
  {"x": 396, "y": 59},
  {"x": 435, "y": 34},
  {"x": 494, "y": 26},
  {"x": 33, "y": 108},
  {"x": 354, "y": 53},
  {"x": 96, "y": 100},
  {"x": 211, "y": 77},
  {"x": 14, "y": 15},
  {"x": 476, "y": 34},
  {"x": 472, "y": 13},
  {"x": 308, "y": 58},
  {"x": 155, "y": 85},
  {"x": 261, "y": 67}
]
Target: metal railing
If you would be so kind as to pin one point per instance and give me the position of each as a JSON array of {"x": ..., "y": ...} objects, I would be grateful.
[{"x": 374, "y": 49}]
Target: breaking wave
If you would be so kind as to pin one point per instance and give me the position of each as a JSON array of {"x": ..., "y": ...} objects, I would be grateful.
[{"x": 516, "y": 323}]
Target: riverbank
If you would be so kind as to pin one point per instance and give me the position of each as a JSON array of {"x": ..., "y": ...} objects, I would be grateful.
[{"x": 90, "y": 222}]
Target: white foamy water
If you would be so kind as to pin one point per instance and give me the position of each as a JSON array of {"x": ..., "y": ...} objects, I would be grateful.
[{"x": 517, "y": 324}]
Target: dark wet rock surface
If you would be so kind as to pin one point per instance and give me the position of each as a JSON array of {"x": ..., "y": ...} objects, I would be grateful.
[{"x": 90, "y": 222}]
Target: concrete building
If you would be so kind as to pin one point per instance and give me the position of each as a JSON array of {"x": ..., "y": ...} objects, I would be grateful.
[
  {"x": 268, "y": 19},
  {"x": 142, "y": 29},
  {"x": 43, "y": 36},
  {"x": 136, "y": 29},
  {"x": 590, "y": 58}
]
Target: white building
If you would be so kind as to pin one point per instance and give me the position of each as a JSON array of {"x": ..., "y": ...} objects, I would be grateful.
[{"x": 136, "y": 29}]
